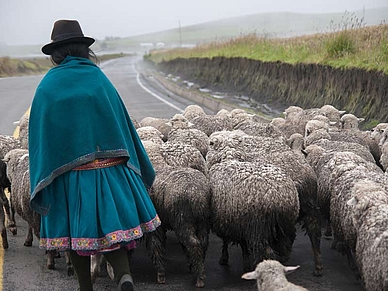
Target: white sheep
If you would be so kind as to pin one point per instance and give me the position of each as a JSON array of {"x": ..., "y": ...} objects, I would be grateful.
[
  {"x": 271, "y": 276},
  {"x": 192, "y": 111},
  {"x": 369, "y": 212},
  {"x": 181, "y": 196},
  {"x": 150, "y": 133},
  {"x": 18, "y": 173},
  {"x": 181, "y": 131},
  {"x": 243, "y": 190}
]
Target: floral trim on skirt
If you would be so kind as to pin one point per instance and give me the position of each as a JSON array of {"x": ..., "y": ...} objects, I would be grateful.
[{"x": 96, "y": 210}]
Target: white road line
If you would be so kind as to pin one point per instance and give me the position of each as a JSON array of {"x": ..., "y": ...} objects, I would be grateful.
[{"x": 155, "y": 95}]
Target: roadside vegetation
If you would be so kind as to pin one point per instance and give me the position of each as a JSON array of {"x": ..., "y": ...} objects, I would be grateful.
[
  {"x": 10, "y": 67},
  {"x": 348, "y": 45}
]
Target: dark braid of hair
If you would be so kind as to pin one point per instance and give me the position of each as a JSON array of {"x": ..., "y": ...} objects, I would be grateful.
[{"x": 74, "y": 49}]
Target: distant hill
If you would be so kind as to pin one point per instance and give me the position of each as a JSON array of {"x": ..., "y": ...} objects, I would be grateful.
[{"x": 282, "y": 24}]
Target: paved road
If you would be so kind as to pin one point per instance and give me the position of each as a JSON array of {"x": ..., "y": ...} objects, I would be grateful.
[{"x": 24, "y": 268}]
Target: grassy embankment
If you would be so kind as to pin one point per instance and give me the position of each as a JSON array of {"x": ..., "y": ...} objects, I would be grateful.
[
  {"x": 10, "y": 67},
  {"x": 347, "y": 46}
]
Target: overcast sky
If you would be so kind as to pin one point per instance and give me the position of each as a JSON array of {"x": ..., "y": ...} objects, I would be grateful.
[{"x": 30, "y": 21}]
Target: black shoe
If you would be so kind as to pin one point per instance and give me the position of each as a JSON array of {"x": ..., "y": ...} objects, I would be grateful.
[{"x": 126, "y": 283}]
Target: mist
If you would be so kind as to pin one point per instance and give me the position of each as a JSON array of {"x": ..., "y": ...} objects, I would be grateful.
[{"x": 27, "y": 22}]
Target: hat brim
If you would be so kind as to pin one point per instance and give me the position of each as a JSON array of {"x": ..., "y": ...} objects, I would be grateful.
[{"x": 49, "y": 48}]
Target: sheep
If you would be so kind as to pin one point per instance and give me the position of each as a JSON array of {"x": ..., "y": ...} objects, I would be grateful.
[
  {"x": 332, "y": 113},
  {"x": 159, "y": 123},
  {"x": 347, "y": 169},
  {"x": 383, "y": 144},
  {"x": 211, "y": 123},
  {"x": 318, "y": 156},
  {"x": 181, "y": 131},
  {"x": 261, "y": 129},
  {"x": 240, "y": 115},
  {"x": 256, "y": 206},
  {"x": 23, "y": 130},
  {"x": 305, "y": 179},
  {"x": 17, "y": 161},
  {"x": 296, "y": 118},
  {"x": 271, "y": 276},
  {"x": 243, "y": 190},
  {"x": 7, "y": 143},
  {"x": 181, "y": 197},
  {"x": 350, "y": 121},
  {"x": 369, "y": 212},
  {"x": 150, "y": 133},
  {"x": 350, "y": 134},
  {"x": 292, "y": 111},
  {"x": 193, "y": 111},
  {"x": 183, "y": 155}
]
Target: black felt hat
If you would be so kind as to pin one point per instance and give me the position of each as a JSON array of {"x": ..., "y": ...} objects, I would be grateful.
[{"x": 66, "y": 31}]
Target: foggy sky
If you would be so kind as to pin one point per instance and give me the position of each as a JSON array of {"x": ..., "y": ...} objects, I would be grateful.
[{"x": 24, "y": 22}]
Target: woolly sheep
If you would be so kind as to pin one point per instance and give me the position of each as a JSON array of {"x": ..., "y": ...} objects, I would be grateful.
[
  {"x": 17, "y": 162},
  {"x": 350, "y": 121},
  {"x": 245, "y": 209},
  {"x": 181, "y": 197},
  {"x": 238, "y": 187},
  {"x": 304, "y": 177},
  {"x": 212, "y": 123},
  {"x": 183, "y": 155},
  {"x": 183, "y": 133},
  {"x": 159, "y": 123},
  {"x": 271, "y": 276},
  {"x": 150, "y": 133},
  {"x": 23, "y": 130},
  {"x": 7, "y": 143},
  {"x": 347, "y": 169},
  {"x": 383, "y": 144},
  {"x": 261, "y": 129},
  {"x": 193, "y": 111},
  {"x": 369, "y": 211}
]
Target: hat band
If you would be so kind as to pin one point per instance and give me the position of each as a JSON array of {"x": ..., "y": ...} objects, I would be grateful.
[{"x": 67, "y": 36}]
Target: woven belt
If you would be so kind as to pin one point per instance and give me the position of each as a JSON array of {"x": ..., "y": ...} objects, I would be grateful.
[{"x": 102, "y": 163}]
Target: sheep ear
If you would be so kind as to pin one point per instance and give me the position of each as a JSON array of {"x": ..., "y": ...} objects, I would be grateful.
[
  {"x": 361, "y": 119},
  {"x": 190, "y": 124},
  {"x": 342, "y": 112},
  {"x": 169, "y": 123},
  {"x": 249, "y": 276},
  {"x": 352, "y": 201},
  {"x": 290, "y": 269},
  {"x": 16, "y": 122}
]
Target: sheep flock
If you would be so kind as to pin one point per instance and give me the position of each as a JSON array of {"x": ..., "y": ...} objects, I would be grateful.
[{"x": 251, "y": 183}]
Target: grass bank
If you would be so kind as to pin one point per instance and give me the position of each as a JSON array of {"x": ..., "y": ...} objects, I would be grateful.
[
  {"x": 348, "y": 46},
  {"x": 10, "y": 67}
]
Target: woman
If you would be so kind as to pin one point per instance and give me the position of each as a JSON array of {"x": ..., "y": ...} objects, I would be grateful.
[{"x": 89, "y": 171}]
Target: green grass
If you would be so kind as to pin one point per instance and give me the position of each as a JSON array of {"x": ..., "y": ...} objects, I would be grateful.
[
  {"x": 10, "y": 67},
  {"x": 354, "y": 47}
]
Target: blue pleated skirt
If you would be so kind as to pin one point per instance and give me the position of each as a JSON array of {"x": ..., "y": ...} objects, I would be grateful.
[{"x": 96, "y": 210}]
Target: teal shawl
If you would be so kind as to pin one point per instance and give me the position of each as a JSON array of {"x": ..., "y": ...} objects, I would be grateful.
[{"x": 77, "y": 116}]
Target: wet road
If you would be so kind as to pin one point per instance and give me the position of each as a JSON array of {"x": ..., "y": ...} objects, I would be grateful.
[{"x": 25, "y": 269}]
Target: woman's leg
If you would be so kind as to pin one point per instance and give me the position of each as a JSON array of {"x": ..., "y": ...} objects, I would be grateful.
[
  {"x": 119, "y": 261},
  {"x": 82, "y": 269}
]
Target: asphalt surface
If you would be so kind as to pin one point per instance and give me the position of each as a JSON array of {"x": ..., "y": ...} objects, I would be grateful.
[{"x": 25, "y": 268}]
